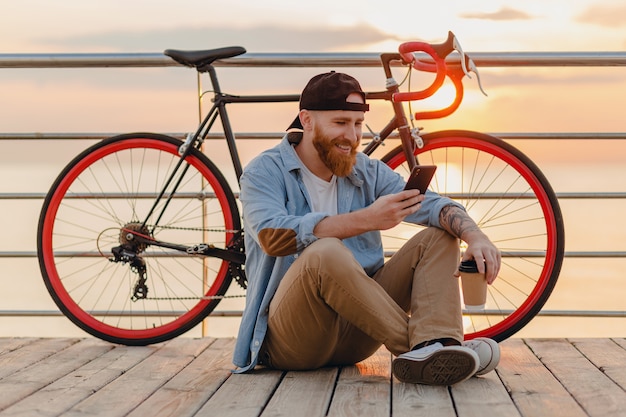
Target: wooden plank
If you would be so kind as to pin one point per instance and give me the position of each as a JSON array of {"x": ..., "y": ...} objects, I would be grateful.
[
  {"x": 28, "y": 380},
  {"x": 483, "y": 396},
  {"x": 364, "y": 389},
  {"x": 620, "y": 341},
  {"x": 31, "y": 353},
  {"x": 13, "y": 343},
  {"x": 184, "y": 394},
  {"x": 243, "y": 395},
  {"x": 188, "y": 377},
  {"x": 606, "y": 355},
  {"x": 416, "y": 400},
  {"x": 591, "y": 388},
  {"x": 64, "y": 393},
  {"x": 532, "y": 387},
  {"x": 303, "y": 393},
  {"x": 132, "y": 388}
]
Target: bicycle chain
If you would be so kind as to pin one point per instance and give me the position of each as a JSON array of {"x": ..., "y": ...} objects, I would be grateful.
[
  {"x": 199, "y": 229},
  {"x": 209, "y": 297},
  {"x": 234, "y": 270}
]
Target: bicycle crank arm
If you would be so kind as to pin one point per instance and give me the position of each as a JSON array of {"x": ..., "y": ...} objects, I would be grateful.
[
  {"x": 203, "y": 249},
  {"x": 210, "y": 250}
]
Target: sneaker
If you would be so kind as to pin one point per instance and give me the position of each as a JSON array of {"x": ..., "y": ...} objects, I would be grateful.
[
  {"x": 488, "y": 353},
  {"x": 436, "y": 365}
]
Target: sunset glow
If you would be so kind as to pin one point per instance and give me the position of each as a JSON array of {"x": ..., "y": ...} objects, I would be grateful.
[
  {"x": 129, "y": 98},
  {"x": 583, "y": 100}
]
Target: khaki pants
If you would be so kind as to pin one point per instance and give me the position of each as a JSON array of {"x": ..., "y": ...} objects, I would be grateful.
[{"x": 327, "y": 311}]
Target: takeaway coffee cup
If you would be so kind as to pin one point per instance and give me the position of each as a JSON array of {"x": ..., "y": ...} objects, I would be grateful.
[{"x": 474, "y": 285}]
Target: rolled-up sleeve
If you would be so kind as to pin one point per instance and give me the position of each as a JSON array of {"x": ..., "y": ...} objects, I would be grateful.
[{"x": 431, "y": 209}]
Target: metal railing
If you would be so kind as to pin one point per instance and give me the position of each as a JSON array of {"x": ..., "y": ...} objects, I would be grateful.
[
  {"x": 285, "y": 60},
  {"x": 143, "y": 60}
]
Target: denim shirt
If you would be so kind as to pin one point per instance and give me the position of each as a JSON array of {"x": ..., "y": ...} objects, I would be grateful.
[{"x": 274, "y": 197}]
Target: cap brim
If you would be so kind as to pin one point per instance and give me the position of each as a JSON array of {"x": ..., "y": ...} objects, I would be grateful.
[{"x": 296, "y": 124}]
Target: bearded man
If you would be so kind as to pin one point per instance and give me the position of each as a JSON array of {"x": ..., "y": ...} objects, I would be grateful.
[{"x": 319, "y": 290}]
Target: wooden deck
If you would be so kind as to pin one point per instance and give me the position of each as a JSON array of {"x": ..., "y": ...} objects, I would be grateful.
[{"x": 191, "y": 377}]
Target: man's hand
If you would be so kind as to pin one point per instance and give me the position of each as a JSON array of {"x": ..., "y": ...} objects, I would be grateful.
[
  {"x": 486, "y": 255},
  {"x": 389, "y": 210},
  {"x": 458, "y": 223},
  {"x": 383, "y": 214}
]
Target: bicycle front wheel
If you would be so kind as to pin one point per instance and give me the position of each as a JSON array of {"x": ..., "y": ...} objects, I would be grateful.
[
  {"x": 109, "y": 190},
  {"x": 513, "y": 203}
]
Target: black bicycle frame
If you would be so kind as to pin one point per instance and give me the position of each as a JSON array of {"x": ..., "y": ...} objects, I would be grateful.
[{"x": 220, "y": 100}]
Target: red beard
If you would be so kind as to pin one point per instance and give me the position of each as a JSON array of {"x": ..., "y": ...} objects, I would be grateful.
[{"x": 341, "y": 165}]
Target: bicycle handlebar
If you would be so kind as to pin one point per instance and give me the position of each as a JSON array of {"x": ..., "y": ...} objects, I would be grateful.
[
  {"x": 438, "y": 52},
  {"x": 455, "y": 72}
]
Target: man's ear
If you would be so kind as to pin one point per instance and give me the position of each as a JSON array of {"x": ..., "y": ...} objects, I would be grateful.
[{"x": 306, "y": 118}]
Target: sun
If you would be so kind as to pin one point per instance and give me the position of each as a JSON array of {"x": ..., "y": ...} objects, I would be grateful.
[{"x": 442, "y": 99}]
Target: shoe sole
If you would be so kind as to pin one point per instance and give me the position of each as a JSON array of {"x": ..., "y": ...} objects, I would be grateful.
[{"x": 443, "y": 367}]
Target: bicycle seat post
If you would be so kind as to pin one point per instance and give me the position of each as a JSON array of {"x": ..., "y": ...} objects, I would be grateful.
[{"x": 219, "y": 102}]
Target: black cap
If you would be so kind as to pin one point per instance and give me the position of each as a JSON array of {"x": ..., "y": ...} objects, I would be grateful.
[{"x": 329, "y": 91}]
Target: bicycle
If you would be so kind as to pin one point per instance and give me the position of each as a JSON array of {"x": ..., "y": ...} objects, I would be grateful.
[{"x": 140, "y": 235}]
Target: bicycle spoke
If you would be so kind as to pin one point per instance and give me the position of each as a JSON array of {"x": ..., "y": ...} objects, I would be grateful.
[
  {"x": 95, "y": 208},
  {"x": 512, "y": 203}
]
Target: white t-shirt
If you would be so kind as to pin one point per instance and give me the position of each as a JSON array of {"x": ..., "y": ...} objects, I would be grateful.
[{"x": 323, "y": 193}]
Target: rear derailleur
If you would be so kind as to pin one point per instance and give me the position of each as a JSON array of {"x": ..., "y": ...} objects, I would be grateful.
[{"x": 137, "y": 265}]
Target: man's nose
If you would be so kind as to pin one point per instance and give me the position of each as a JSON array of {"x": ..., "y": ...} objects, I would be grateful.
[{"x": 352, "y": 133}]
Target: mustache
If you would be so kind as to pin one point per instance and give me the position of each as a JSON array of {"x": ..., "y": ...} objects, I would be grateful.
[{"x": 344, "y": 142}]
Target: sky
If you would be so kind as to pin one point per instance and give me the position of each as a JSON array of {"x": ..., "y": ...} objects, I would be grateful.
[
  {"x": 323, "y": 25},
  {"x": 576, "y": 99},
  {"x": 111, "y": 100}
]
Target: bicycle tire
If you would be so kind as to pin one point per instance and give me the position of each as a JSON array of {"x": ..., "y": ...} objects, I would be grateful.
[
  {"x": 112, "y": 185},
  {"x": 513, "y": 203}
]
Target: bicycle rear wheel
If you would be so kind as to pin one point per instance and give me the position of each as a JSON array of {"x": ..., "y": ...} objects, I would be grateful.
[
  {"x": 108, "y": 190},
  {"x": 513, "y": 203}
]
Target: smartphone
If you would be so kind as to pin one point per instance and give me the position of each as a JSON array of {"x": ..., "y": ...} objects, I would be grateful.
[{"x": 420, "y": 177}]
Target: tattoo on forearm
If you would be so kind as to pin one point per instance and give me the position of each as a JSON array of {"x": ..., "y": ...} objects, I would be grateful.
[{"x": 456, "y": 221}]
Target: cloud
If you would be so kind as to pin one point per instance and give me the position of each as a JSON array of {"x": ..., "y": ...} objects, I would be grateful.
[
  {"x": 572, "y": 79},
  {"x": 254, "y": 39},
  {"x": 506, "y": 13},
  {"x": 604, "y": 15}
]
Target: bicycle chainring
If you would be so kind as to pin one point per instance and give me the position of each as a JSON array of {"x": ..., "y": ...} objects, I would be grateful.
[{"x": 237, "y": 270}]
